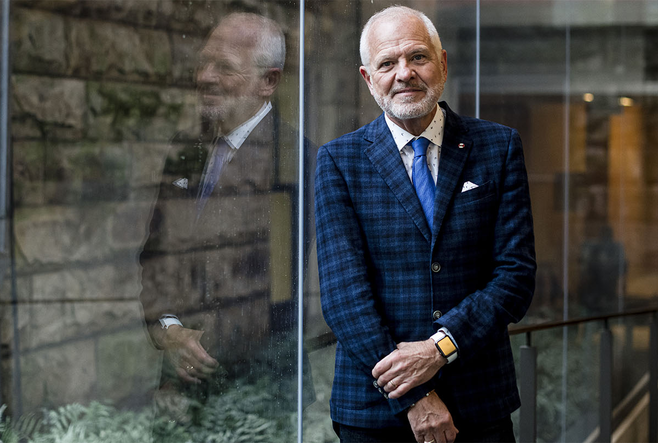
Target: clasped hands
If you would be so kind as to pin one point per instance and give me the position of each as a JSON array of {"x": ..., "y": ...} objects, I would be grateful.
[{"x": 410, "y": 365}]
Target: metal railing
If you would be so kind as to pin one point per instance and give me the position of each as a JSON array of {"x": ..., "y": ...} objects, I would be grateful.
[
  {"x": 528, "y": 374},
  {"x": 528, "y": 371}
]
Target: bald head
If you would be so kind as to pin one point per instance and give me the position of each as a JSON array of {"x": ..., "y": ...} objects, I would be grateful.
[
  {"x": 393, "y": 14},
  {"x": 261, "y": 35},
  {"x": 240, "y": 67}
]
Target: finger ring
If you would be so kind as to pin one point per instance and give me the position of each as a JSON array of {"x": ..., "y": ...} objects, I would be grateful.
[
  {"x": 395, "y": 387},
  {"x": 190, "y": 368},
  {"x": 431, "y": 441}
]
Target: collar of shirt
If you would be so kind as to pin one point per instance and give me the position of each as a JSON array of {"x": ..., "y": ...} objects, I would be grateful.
[
  {"x": 236, "y": 137},
  {"x": 433, "y": 132}
]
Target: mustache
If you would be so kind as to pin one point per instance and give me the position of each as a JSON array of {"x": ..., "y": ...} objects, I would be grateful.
[
  {"x": 208, "y": 90},
  {"x": 417, "y": 86}
]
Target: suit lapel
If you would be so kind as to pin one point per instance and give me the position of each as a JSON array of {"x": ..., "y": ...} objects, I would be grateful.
[
  {"x": 454, "y": 152},
  {"x": 385, "y": 158}
]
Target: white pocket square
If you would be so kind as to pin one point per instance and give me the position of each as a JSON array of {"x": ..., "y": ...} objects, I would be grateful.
[
  {"x": 180, "y": 183},
  {"x": 468, "y": 186}
]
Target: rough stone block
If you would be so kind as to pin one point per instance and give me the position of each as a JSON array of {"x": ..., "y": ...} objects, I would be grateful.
[
  {"x": 14, "y": 319},
  {"x": 59, "y": 235},
  {"x": 143, "y": 13},
  {"x": 69, "y": 6},
  {"x": 51, "y": 323},
  {"x": 5, "y": 287},
  {"x": 185, "y": 50},
  {"x": 38, "y": 42},
  {"x": 115, "y": 51},
  {"x": 108, "y": 281},
  {"x": 58, "y": 376},
  {"x": 48, "y": 107},
  {"x": 86, "y": 172},
  {"x": 179, "y": 105},
  {"x": 28, "y": 173},
  {"x": 128, "y": 367},
  {"x": 195, "y": 17},
  {"x": 120, "y": 111}
]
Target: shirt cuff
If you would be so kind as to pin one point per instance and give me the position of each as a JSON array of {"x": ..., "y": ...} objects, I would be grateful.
[
  {"x": 402, "y": 404},
  {"x": 169, "y": 319}
]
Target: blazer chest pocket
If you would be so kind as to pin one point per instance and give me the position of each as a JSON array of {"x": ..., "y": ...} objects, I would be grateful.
[{"x": 484, "y": 191}]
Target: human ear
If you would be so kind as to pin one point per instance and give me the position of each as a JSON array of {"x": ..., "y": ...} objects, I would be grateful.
[
  {"x": 270, "y": 81},
  {"x": 364, "y": 73}
]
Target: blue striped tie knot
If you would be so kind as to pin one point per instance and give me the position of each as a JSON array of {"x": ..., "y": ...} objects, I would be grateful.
[{"x": 422, "y": 178}]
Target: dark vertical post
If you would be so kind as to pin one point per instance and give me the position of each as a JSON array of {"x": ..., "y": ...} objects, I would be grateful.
[
  {"x": 528, "y": 387},
  {"x": 653, "y": 380},
  {"x": 605, "y": 386},
  {"x": 4, "y": 156}
]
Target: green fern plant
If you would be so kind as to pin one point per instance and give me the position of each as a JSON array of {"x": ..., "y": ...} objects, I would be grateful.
[{"x": 22, "y": 429}]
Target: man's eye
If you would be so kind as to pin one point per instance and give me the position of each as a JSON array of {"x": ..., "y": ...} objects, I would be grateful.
[
  {"x": 386, "y": 64},
  {"x": 418, "y": 57}
]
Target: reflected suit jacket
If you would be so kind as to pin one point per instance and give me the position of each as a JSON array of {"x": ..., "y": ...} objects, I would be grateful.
[
  {"x": 213, "y": 267},
  {"x": 383, "y": 274}
]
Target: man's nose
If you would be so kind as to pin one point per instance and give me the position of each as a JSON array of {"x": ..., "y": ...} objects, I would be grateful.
[
  {"x": 404, "y": 72},
  {"x": 205, "y": 74}
]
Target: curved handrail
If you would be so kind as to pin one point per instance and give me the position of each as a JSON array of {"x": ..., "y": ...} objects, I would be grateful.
[{"x": 328, "y": 338}]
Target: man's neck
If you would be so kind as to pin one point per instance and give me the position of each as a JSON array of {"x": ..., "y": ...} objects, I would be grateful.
[
  {"x": 415, "y": 126},
  {"x": 225, "y": 127}
]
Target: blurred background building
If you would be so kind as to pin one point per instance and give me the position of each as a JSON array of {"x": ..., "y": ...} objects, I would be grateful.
[{"x": 93, "y": 91}]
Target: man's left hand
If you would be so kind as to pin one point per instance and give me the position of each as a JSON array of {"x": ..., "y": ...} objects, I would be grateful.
[
  {"x": 410, "y": 365},
  {"x": 431, "y": 421}
]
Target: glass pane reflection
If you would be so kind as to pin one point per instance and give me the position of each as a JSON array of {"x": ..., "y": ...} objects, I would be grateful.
[{"x": 155, "y": 172}]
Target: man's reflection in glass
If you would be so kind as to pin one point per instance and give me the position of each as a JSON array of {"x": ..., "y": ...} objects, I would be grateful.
[{"x": 206, "y": 266}]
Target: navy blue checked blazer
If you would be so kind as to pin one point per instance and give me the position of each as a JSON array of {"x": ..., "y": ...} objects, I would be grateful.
[{"x": 383, "y": 273}]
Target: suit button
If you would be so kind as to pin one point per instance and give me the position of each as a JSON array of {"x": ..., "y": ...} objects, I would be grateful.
[
  {"x": 436, "y": 314},
  {"x": 436, "y": 266}
]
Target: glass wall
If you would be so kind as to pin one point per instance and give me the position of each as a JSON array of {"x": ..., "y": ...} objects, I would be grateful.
[
  {"x": 119, "y": 111},
  {"x": 155, "y": 173}
]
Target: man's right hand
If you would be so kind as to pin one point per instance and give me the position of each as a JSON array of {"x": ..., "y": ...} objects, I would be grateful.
[
  {"x": 183, "y": 349},
  {"x": 431, "y": 421}
]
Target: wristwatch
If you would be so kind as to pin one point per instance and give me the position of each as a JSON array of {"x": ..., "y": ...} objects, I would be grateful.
[
  {"x": 169, "y": 319},
  {"x": 445, "y": 346}
]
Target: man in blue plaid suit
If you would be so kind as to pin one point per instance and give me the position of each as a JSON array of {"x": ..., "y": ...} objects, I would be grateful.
[{"x": 425, "y": 250}]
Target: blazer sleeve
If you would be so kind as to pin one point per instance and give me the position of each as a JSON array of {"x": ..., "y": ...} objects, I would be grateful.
[
  {"x": 484, "y": 314},
  {"x": 348, "y": 303}
]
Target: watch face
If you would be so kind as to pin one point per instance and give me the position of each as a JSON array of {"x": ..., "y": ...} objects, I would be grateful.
[{"x": 446, "y": 346}]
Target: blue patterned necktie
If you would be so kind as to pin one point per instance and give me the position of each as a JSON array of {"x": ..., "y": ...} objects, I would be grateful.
[
  {"x": 422, "y": 178},
  {"x": 213, "y": 172}
]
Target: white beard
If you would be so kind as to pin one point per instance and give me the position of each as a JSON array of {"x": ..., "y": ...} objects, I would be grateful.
[
  {"x": 406, "y": 111},
  {"x": 228, "y": 107}
]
